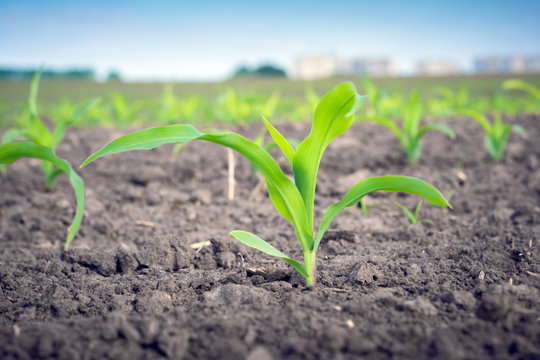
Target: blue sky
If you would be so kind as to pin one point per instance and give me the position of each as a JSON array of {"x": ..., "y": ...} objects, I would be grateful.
[{"x": 206, "y": 40}]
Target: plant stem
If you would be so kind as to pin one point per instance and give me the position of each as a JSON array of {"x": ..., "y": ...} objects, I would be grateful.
[{"x": 309, "y": 263}]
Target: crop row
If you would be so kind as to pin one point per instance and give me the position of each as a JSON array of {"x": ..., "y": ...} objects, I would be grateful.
[{"x": 293, "y": 199}]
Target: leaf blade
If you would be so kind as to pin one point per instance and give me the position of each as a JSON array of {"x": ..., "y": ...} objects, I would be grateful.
[
  {"x": 286, "y": 195},
  {"x": 14, "y": 151},
  {"x": 333, "y": 117},
  {"x": 257, "y": 243},
  {"x": 280, "y": 140},
  {"x": 385, "y": 183}
]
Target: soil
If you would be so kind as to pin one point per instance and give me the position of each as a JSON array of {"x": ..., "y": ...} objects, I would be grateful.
[{"x": 131, "y": 286}]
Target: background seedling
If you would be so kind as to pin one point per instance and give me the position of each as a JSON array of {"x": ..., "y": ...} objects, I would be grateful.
[
  {"x": 293, "y": 200},
  {"x": 413, "y": 217},
  {"x": 32, "y": 128},
  {"x": 410, "y": 133},
  {"x": 517, "y": 84},
  {"x": 496, "y": 133}
]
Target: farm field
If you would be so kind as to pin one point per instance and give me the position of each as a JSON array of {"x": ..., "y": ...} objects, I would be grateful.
[
  {"x": 55, "y": 96},
  {"x": 153, "y": 271}
]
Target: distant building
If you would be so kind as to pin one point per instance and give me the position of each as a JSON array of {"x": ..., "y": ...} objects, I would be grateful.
[
  {"x": 374, "y": 67},
  {"x": 532, "y": 64},
  {"x": 316, "y": 67},
  {"x": 319, "y": 67},
  {"x": 501, "y": 64},
  {"x": 436, "y": 68}
]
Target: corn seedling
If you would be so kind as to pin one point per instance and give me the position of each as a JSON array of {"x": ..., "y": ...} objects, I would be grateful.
[
  {"x": 364, "y": 207},
  {"x": 233, "y": 108},
  {"x": 293, "y": 200},
  {"x": 448, "y": 101},
  {"x": 496, "y": 133},
  {"x": 381, "y": 103},
  {"x": 11, "y": 152},
  {"x": 125, "y": 114},
  {"x": 33, "y": 129},
  {"x": 413, "y": 217},
  {"x": 517, "y": 84},
  {"x": 411, "y": 133}
]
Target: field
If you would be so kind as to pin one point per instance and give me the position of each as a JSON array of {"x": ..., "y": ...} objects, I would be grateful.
[{"x": 154, "y": 273}]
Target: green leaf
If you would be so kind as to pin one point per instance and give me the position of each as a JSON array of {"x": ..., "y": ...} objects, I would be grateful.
[
  {"x": 389, "y": 124},
  {"x": 285, "y": 198},
  {"x": 517, "y": 84},
  {"x": 257, "y": 243},
  {"x": 332, "y": 118},
  {"x": 410, "y": 215},
  {"x": 60, "y": 130},
  {"x": 492, "y": 146},
  {"x": 14, "y": 151},
  {"x": 417, "y": 211},
  {"x": 478, "y": 117},
  {"x": 32, "y": 99},
  {"x": 9, "y": 136},
  {"x": 436, "y": 127},
  {"x": 385, "y": 183},
  {"x": 35, "y": 130},
  {"x": 283, "y": 144},
  {"x": 412, "y": 116}
]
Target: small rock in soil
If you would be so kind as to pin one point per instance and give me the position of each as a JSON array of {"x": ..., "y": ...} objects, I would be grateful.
[{"x": 362, "y": 274}]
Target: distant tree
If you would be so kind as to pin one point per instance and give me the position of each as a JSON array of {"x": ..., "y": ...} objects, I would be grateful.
[
  {"x": 14, "y": 74},
  {"x": 269, "y": 70},
  {"x": 265, "y": 70},
  {"x": 114, "y": 76},
  {"x": 242, "y": 71}
]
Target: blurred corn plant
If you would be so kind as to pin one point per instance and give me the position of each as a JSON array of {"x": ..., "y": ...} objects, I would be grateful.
[
  {"x": 410, "y": 131},
  {"x": 171, "y": 109},
  {"x": 447, "y": 101},
  {"x": 496, "y": 132},
  {"x": 533, "y": 103},
  {"x": 30, "y": 127},
  {"x": 381, "y": 103},
  {"x": 233, "y": 108}
]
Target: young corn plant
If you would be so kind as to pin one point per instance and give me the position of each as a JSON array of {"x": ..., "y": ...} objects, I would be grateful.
[
  {"x": 448, "y": 101},
  {"x": 294, "y": 200},
  {"x": 381, "y": 103},
  {"x": 33, "y": 129},
  {"x": 517, "y": 84},
  {"x": 497, "y": 133},
  {"x": 413, "y": 217},
  {"x": 411, "y": 133},
  {"x": 9, "y": 153}
]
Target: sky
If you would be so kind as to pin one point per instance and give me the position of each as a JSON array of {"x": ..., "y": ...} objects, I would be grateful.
[{"x": 207, "y": 40}]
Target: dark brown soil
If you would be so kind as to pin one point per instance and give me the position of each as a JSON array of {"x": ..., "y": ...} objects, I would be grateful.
[{"x": 131, "y": 286}]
